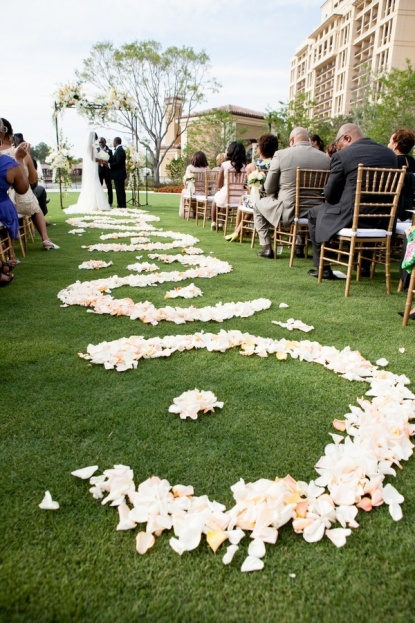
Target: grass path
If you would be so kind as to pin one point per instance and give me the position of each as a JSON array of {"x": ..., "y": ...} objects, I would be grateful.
[{"x": 58, "y": 414}]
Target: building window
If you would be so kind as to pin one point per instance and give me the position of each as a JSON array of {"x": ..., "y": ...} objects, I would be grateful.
[{"x": 389, "y": 7}]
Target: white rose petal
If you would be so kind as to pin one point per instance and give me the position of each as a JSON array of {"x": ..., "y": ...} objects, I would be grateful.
[
  {"x": 230, "y": 553},
  {"x": 85, "y": 472},
  {"x": 252, "y": 563},
  {"x": 257, "y": 548},
  {"x": 47, "y": 504},
  {"x": 338, "y": 536}
]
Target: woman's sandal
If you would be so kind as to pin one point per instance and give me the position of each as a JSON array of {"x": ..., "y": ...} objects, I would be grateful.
[
  {"x": 48, "y": 245},
  {"x": 5, "y": 279},
  {"x": 5, "y": 265}
]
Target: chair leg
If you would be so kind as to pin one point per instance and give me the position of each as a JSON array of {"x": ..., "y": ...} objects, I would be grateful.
[{"x": 293, "y": 241}]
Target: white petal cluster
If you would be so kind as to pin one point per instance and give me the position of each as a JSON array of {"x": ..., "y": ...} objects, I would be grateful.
[
  {"x": 189, "y": 292},
  {"x": 95, "y": 265},
  {"x": 292, "y": 324},
  {"x": 190, "y": 403}
]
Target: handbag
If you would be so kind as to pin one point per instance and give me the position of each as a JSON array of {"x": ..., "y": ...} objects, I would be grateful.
[{"x": 409, "y": 260}]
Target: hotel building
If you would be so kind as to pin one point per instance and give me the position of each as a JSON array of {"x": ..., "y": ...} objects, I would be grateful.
[{"x": 355, "y": 37}]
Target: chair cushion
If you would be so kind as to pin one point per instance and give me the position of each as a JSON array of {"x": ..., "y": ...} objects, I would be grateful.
[
  {"x": 302, "y": 221},
  {"x": 246, "y": 210},
  {"x": 362, "y": 233},
  {"x": 402, "y": 226}
]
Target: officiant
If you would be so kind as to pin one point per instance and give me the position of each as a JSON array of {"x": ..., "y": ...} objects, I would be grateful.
[{"x": 103, "y": 171}]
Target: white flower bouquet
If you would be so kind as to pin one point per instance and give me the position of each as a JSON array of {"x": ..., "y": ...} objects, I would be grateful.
[
  {"x": 103, "y": 155},
  {"x": 256, "y": 178}
]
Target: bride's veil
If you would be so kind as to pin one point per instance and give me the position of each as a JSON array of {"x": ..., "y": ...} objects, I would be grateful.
[
  {"x": 92, "y": 196},
  {"x": 89, "y": 173}
]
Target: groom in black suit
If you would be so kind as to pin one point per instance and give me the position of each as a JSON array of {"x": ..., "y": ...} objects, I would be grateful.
[
  {"x": 325, "y": 220},
  {"x": 104, "y": 172},
  {"x": 119, "y": 172}
]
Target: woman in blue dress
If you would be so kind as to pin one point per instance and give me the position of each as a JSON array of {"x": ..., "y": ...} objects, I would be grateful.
[{"x": 11, "y": 174}]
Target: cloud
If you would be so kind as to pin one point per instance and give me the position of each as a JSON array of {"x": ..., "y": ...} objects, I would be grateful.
[{"x": 249, "y": 48}]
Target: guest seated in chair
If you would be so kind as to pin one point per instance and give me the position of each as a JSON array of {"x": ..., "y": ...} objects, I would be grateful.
[
  {"x": 26, "y": 204},
  {"x": 325, "y": 220},
  {"x": 12, "y": 175},
  {"x": 267, "y": 146},
  {"x": 401, "y": 143},
  {"x": 279, "y": 204},
  {"x": 235, "y": 161},
  {"x": 38, "y": 190},
  {"x": 198, "y": 164}
]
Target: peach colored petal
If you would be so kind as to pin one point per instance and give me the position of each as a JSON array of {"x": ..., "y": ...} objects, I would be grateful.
[
  {"x": 215, "y": 538},
  {"x": 339, "y": 425},
  {"x": 365, "y": 504},
  {"x": 301, "y": 508},
  {"x": 144, "y": 541}
]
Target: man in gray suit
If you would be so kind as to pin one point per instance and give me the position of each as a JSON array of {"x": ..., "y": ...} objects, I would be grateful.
[
  {"x": 280, "y": 186},
  {"x": 326, "y": 220}
]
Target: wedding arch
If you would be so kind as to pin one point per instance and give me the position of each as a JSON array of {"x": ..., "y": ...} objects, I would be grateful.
[{"x": 73, "y": 96}]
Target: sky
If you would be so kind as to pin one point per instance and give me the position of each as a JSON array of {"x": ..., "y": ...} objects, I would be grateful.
[{"x": 250, "y": 46}]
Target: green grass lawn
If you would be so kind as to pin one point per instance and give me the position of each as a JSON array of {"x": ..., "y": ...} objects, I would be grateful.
[{"x": 59, "y": 413}]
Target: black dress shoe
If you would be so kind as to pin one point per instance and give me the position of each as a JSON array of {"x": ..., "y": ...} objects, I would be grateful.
[
  {"x": 411, "y": 316},
  {"x": 299, "y": 252},
  {"x": 327, "y": 273},
  {"x": 268, "y": 253}
]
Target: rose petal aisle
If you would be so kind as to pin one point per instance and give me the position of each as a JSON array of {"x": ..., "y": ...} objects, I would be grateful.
[{"x": 352, "y": 471}]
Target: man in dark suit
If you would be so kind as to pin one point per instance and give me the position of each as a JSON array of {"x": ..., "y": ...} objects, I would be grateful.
[
  {"x": 326, "y": 220},
  {"x": 119, "y": 172},
  {"x": 104, "y": 172}
]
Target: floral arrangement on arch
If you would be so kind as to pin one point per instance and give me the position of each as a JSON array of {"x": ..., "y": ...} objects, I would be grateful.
[
  {"x": 132, "y": 164},
  {"x": 70, "y": 95},
  {"x": 62, "y": 163}
]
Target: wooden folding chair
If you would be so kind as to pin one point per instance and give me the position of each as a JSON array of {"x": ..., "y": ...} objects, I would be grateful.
[
  {"x": 226, "y": 213},
  {"x": 309, "y": 186},
  {"x": 204, "y": 202},
  {"x": 6, "y": 244},
  {"x": 409, "y": 299},
  {"x": 189, "y": 201},
  {"x": 377, "y": 196},
  {"x": 247, "y": 224}
]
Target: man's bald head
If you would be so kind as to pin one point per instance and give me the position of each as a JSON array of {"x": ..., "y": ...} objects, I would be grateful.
[
  {"x": 299, "y": 134},
  {"x": 348, "y": 133}
]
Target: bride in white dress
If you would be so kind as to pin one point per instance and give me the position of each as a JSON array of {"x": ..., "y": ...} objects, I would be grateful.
[{"x": 92, "y": 198}]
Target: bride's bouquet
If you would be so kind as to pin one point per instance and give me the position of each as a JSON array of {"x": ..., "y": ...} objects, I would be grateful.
[{"x": 102, "y": 155}]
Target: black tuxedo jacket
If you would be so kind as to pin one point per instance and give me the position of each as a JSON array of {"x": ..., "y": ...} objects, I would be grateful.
[
  {"x": 340, "y": 189},
  {"x": 117, "y": 164}
]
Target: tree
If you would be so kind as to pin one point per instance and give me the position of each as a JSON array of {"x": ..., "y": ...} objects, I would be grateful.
[
  {"x": 389, "y": 103},
  {"x": 211, "y": 133},
  {"x": 40, "y": 152},
  {"x": 162, "y": 85}
]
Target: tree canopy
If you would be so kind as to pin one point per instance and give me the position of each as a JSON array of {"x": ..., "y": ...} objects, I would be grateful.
[
  {"x": 40, "y": 152},
  {"x": 161, "y": 85}
]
